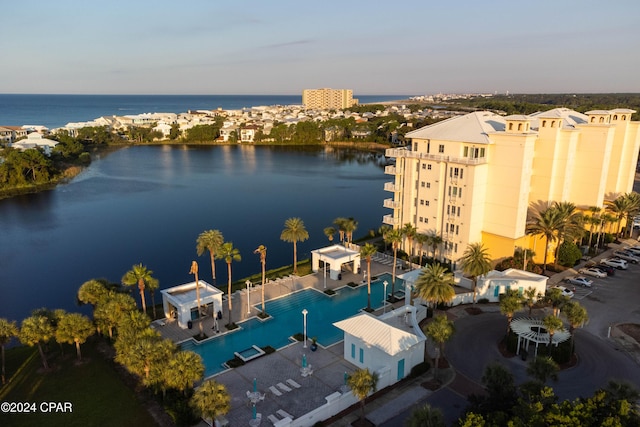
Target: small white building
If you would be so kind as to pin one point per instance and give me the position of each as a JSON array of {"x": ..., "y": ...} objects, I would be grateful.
[
  {"x": 335, "y": 256},
  {"x": 35, "y": 140},
  {"x": 390, "y": 347},
  {"x": 181, "y": 302}
]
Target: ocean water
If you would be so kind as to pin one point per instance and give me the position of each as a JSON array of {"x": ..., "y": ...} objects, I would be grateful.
[{"x": 54, "y": 111}]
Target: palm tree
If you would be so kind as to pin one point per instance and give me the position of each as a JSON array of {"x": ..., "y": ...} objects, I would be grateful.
[
  {"x": 434, "y": 240},
  {"x": 366, "y": 252},
  {"x": 350, "y": 225},
  {"x": 153, "y": 285},
  {"x": 37, "y": 330},
  {"x": 91, "y": 292},
  {"x": 593, "y": 220},
  {"x": 229, "y": 254},
  {"x": 545, "y": 223},
  {"x": 8, "y": 330},
  {"x": 510, "y": 302},
  {"x": 557, "y": 300},
  {"x": 194, "y": 271},
  {"x": 576, "y": 316},
  {"x": 551, "y": 324},
  {"x": 340, "y": 223},
  {"x": 294, "y": 232},
  {"x": 421, "y": 240},
  {"x": 570, "y": 226},
  {"x": 426, "y": 416},
  {"x": 383, "y": 230},
  {"x": 435, "y": 284},
  {"x": 475, "y": 261},
  {"x": 440, "y": 330},
  {"x": 329, "y": 232},
  {"x": 362, "y": 383},
  {"x": 109, "y": 312},
  {"x": 262, "y": 251},
  {"x": 606, "y": 220},
  {"x": 619, "y": 208},
  {"x": 144, "y": 356},
  {"x": 529, "y": 296},
  {"x": 410, "y": 232},
  {"x": 74, "y": 328},
  {"x": 211, "y": 400},
  {"x": 210, "y": 240},
  {"x": 141, "y": 276},
  {"x": 394, "y": 237},
  {"x": 184, "y": 369}
]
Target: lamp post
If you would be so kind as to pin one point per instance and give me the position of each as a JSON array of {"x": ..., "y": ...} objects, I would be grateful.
[
  {"x": 248, "y": 282},
  {"x": 384, "y": 297},
  {"x": 325, "y": 273},
  {"x": 304, "y": 327}
]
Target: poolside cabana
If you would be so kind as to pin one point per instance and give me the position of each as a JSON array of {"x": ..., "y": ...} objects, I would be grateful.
[
  {"x": 335, "y": 256},
  {"x": 181, "y": 302}
]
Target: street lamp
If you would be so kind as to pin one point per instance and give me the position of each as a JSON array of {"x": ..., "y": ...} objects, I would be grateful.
[
  {"x": 325, "y": 273},
  {"x": 304, "y": 323},
  {"x": 384, "y": 297},
  {"x": 248, "y": 282}
]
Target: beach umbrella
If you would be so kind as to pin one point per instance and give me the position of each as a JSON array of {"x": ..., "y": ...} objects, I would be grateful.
[
  {"x": 304, "y": 360},
  {"x": 255, "y": 385}
]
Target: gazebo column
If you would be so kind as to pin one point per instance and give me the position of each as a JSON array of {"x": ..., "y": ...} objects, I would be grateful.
[
  {"x": 315, "y": 262},
  {"x": 334, "y": 269},
  {"x": 518, "y": 348}
]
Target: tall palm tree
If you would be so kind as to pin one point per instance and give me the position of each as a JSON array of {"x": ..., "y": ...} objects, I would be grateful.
[
  {"x": 383, "y": 230},
  {"x": 141, "y": 276},
  {"x": 434, "y": 240},
  {"x": 552, "y": 324},
  {"x": 194, "y": 271},
  {"x": 362, "y": 383},
  {"x": 229, "y": 254},
  {"x": 576, "y": 315},
  {"x": 510, "y": 302},
  {"x": 593, "y": 220},
  {"x": 545, "y": 223},
  {"x": 294, "y": 232},
  {"x": 366, "y": 252},
  {"x": 340, "y": 224},
  {"x": 529, "y": 297},
  {"x": 421, "y": 240},
  {"x": 210, "y": 241},
  {"x": 410, "y": 232},
  {"x": 435, "y": 284},
  {"x": 8, "y": 330},
  {"x": 74, "y": 328},
  {"x": 619, "y": 208},
  {"x": 440, "y": 330},
  {"x": 262, "y": 251},
  {"x": 329, "y": 232},
  {"x": 394, "y": 238},
  {"x": 570, "y": 224},
  {"x": 111, "y": 310},
  {"x": 350, "y": 225},
  {"x": 37, "y": 330},
  {"x": 211, "y": 400},
  {"x": 475, "y": 261},
  {"x": 91, "y": 292}
]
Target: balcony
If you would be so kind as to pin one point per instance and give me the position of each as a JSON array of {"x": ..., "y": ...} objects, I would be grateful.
[
  {"x": 389, "y": 220},
  {"x": 390, "y": 170},
  {"x": 401, "y": 152},
  {"x": 390, "y": 186},
  {"x": 390, "y": 204}
]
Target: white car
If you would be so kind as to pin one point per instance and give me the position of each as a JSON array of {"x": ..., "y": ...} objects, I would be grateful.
[
  {"x": 565, "y": 292},
  {"x": 635, "y": 250},
  {"x": 620, "y": 264},
  {"x": 627, "y": 256},
  {"x": 592, "y": 271},
  {"x": 579, "y": 280}
]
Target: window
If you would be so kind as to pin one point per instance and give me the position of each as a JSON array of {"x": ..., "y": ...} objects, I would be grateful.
[
  {"x": 426, "y": 220},
  {"x": 353, "y": 351},
  {"x": 455, "y": 247},
  {"x": 624, "y": 117},
  {"x": 428, "y": 146},
  {"x": 458, "y": 210},
  {"x": 424, "y": 166},
  {"x": 459, "y": 192},
  {"x": 441, "y": 148},
  {"x": 448, "y": 208},
  {"x": 429, "y": 167},
  {"x": 422, "y": 201},
  {"x": 421, "y": 219},
  {"x": 428, "y": 185},
  {"x": 426, "y": 202},
  {"x": 519, "y": 126},
  {"x": 422, "y": 184},
  {"x": 482, "y": 152},
  {"x": 461, "y": 173},
  {"x": 362, "y": 355},
  {"x": 544, "y": 123},
  {"x": 466, "y": 152},
  {"x": 457, "y": 229},
  {"x": 510, "y": 126},
  {"x": 415, "y": 146}
]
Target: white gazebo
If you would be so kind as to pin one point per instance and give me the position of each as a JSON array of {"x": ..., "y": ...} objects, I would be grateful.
[
  {"x": 533, "y": 331},
  {"x": 181, "y": 302},
  {"x": 335, "y": 256}
]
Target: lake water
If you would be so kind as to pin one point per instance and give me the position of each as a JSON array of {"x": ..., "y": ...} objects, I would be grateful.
[{"x": 149, "y": 203}]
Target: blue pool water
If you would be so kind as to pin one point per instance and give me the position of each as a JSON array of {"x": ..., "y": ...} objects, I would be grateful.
[{"x": 287, "y": 320}]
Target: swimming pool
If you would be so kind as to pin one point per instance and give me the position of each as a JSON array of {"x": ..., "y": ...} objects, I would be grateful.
[{"x": 287, "y": 320}]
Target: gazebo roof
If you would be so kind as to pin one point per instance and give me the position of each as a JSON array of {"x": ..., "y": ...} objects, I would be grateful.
[
  {"x": 185, "y": 294},
  {"x": 530, "y": 329},
  {"x": 337, "y": 253}
]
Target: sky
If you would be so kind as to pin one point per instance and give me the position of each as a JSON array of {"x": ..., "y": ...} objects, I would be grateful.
[{"x": 282, "y": 47}]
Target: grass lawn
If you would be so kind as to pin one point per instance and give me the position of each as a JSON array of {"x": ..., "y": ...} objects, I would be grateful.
[{"x": 94, "y": 388}]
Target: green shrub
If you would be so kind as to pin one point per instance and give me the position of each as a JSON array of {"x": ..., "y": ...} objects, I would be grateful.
[
  {"x": 483, "y": 301},
  {"x": 569, "y": 254},
  {"x": 419, "y": 369}
]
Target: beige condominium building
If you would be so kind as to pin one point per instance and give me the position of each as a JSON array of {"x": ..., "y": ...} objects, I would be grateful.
[
  {"x": 328, "y": 99},
  {"x": 476, "y": 177}
]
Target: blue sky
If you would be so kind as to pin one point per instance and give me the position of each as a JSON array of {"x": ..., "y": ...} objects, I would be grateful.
[{"x": 283, "y": 47}]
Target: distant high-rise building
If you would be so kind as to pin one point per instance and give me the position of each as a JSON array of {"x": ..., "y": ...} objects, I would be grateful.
[{"x": 328, "y": 99}]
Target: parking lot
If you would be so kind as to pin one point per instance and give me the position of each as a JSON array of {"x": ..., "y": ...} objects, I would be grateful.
[{"x": 609, "y": 301}]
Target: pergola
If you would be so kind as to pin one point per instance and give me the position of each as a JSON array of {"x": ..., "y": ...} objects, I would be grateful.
[
  {"x": 335, "y": 256},
  {"x": 531, "y": 330},
  {"x": 181, "y": 302}
]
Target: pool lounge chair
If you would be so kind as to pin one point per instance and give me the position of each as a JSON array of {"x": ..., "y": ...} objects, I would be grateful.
[
  {"x": 284, "y": 414},
  {"x": 292, "y": 383},
  {"x": 283, "y": 387},
  {"x": 275, "y": 391},
  {"x": 273, "y": 419}
]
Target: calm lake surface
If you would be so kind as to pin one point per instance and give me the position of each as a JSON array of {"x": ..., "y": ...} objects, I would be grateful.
[{"x": 149, "y": 204}]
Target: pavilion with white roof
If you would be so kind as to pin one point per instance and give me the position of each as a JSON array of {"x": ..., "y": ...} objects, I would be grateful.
[
  {"x": 335, "y": 256},
  {"x": 181, "y": 302}
]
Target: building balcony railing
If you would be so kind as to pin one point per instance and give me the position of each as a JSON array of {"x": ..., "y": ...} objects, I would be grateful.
[
  {"x": 389, "y": 203},
  {"x": 390, "y": 220},
  {"x": 401, "y": 152},
  {"x": 390, "y": 186},
  {"x": 390, "y": 170}
]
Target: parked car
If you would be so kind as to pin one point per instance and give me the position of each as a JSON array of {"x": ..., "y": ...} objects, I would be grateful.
[
  {"x": 620, "y": 264},
  {"x": 627, "y": 256},
  {"x": 565, "y": 291},
  {"x": 579, "y": 280},
  {"x": 635, "y": 250},
  {"x": 592, "y": 271},
  {"x": 606, "y": 268}
]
